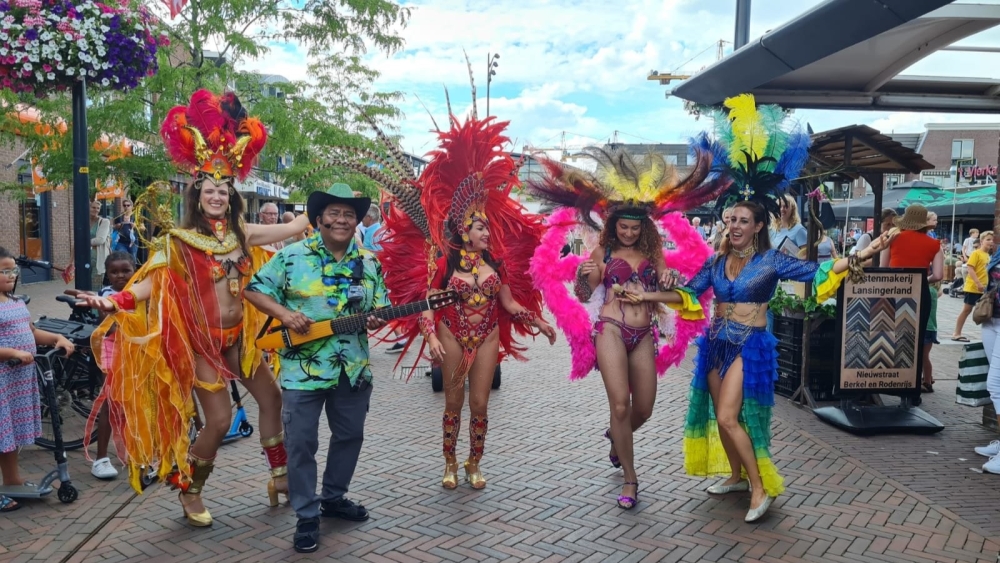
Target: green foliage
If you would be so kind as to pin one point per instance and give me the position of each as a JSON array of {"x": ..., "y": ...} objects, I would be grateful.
[
  {"x": 304, "y": 123},
  {"x": 786, "y": 303}
]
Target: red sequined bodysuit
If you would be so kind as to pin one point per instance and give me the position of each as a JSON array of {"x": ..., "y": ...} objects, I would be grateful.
[
  {"x": 480, "y": 299},
  {"x": 475, "y": 301}
]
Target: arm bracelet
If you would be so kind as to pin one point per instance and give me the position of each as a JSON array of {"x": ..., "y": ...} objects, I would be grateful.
[
  {"x": 427, "y": 326},
  {"x": 525, "y": 317},
  {"x": 123, "y": 300}
]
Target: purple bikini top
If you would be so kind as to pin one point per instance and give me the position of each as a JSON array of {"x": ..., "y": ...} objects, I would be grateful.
[{"x": 620, "y": 271}]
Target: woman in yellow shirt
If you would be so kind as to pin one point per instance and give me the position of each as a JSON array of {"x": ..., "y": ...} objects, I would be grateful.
[{"x": 975, "y": 281}]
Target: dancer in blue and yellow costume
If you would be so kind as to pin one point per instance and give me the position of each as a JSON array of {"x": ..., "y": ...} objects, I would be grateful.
[{"x": 728, "y": 426}]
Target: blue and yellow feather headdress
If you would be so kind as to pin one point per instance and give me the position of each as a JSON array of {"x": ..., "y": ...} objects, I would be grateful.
[{"x": 760, "y": 148}]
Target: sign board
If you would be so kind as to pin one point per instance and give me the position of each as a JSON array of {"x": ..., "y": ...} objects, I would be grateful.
[{"x": 880, "y": 322}]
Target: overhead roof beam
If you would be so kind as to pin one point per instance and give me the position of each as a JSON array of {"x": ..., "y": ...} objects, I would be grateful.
[{"x": 822, "y": 31}]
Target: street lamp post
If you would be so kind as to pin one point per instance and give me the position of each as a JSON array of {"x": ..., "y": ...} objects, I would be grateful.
[
  {"x": 81, "y": 190},
  {"x": 491, "y": 64}
]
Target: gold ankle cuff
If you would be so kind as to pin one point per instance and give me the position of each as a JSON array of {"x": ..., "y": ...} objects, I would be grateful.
[
  {"x": 279, "y": 471},
  {"x": 273, "y": 440}
]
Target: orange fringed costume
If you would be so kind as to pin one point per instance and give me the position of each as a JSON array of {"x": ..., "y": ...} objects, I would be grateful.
[{"x": 151, "y": 378}]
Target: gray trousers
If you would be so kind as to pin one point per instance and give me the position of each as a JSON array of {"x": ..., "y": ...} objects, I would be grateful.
[{"x": 345, "y": 413}]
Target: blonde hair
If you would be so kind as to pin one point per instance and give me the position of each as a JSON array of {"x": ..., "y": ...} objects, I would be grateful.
[
  {"x": 984, "y": 234},
  {"x": 794, "y": 219}
]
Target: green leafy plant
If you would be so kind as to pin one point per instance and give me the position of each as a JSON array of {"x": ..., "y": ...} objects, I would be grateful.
[{"x": 790, "y": 304}]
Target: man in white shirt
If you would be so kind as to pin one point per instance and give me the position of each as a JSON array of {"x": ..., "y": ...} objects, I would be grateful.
[{"x": 967, "y": 246}]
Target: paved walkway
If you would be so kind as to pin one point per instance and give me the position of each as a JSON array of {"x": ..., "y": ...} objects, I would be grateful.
[{"x": 551, "y": 490}]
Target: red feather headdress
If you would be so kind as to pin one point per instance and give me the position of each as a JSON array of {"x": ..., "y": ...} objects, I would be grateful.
[{"x": 213, "y": 136}]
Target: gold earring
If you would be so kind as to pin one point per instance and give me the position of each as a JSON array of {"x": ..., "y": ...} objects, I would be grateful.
[
  {"x": 200, "y": 210},
  {"x": 755, "y": 247}
]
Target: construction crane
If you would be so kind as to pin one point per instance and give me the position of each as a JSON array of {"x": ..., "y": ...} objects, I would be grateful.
[
  {"x": 665, "y": 79},
  {"x": 564, "y": 154}
]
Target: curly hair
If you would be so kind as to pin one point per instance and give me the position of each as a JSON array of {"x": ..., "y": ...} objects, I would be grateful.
[{"x": 650, "y": 242}]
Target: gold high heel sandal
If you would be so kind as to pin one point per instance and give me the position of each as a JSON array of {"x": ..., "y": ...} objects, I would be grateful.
[
  {"x": 273, "y": 491},
  {"x": 201, "y": 519},
  {"x": 277, "y": 461},
  {"x": 450, "y": 479},
  {"x": 473, "y": 475},
  {"x": 201, "y": 469}
]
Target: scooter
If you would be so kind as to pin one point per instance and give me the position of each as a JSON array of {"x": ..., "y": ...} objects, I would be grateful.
[
  {"x": 67, "y": 493},
  {"x": 241, "y": 427}
]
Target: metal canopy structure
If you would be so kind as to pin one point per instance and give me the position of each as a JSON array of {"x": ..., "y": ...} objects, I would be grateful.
[{"x": 847, "y": 54}]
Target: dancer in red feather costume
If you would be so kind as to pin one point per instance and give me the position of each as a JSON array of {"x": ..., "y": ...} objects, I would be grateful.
[{"x": 456, "y": 227}]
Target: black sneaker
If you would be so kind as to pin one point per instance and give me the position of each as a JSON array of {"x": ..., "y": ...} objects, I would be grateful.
[
  {"x": 396, "y": 348},
  {"x": 306, "y": 539},
  {"x": 344, "y": 509}
]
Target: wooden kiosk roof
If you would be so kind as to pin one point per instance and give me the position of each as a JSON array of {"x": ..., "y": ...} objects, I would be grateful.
[{"x": 865, "y": 151}]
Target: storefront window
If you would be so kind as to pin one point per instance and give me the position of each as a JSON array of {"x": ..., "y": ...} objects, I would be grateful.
[{"x": 30, "y": 222}]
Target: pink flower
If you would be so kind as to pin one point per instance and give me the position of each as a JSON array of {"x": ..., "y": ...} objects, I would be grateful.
[
  {"x": 817, "y": 194},
  {"x": 47, "y": 68}
]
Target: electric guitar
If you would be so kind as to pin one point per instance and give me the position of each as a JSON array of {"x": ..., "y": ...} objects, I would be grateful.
[{"x": 282, "y": 337}]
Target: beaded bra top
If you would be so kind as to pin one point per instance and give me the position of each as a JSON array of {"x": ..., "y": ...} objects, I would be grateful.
[
  {"x": 476, "y": 300},
  {"x": 758, "y": 279}
]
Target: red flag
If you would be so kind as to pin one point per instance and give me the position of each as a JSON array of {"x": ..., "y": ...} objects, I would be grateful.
[{"x": 175, "y": 6}]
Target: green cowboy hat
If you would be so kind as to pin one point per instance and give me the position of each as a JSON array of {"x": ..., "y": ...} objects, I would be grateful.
[{"x": 337, "y": 193}]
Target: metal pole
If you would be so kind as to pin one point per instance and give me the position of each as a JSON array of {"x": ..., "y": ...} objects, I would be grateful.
[
  {"x": 954, "y": 191},
  {"x": 489, "y": 78},
  {"x": 81, "y": 189},
  {"x": 742, "y": 35}
]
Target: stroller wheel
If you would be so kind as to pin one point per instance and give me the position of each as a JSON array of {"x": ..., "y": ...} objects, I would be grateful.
[
  {"x": 67, "y": 493},
  {"x": 147, "y": 478},
  {"x": 246, "y": 430}
]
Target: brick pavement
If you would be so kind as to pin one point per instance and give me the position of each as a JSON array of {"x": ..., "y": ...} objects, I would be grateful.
[{"x": 551, "y": 491}]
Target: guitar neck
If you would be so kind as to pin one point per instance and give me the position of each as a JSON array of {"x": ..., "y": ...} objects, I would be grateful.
[{"x": 359, "y": 322}]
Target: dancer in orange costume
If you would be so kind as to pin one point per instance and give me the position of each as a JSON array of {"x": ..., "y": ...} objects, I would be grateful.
[{"x": 183, "y": 326}]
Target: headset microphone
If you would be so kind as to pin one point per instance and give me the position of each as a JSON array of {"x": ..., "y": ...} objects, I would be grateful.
[{"x": 327, "y": 226}]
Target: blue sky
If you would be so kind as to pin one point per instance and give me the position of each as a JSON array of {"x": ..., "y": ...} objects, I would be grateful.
[{"x": 580, "y": 67}]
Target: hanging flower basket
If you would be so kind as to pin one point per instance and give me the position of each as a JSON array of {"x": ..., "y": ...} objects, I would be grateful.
[{"x": 47, "y": 45}]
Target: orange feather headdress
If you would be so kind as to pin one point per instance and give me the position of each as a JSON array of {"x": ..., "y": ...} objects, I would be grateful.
[{"x": 213, "y": 136}]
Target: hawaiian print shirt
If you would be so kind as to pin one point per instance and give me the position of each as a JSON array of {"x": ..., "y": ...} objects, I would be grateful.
[{"x": 306, "y": 278}]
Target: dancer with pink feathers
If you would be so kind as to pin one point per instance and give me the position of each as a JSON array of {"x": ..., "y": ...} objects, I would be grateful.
[{"x": 629, "y": 340}]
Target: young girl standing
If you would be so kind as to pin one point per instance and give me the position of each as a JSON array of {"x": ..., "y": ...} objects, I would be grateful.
[
  {"x": 20, "y": 415},
  {"x": 120, "y": 267}
]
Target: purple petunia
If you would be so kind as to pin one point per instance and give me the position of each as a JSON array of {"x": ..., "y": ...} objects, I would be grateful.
[{"x": 77, "y": 47}]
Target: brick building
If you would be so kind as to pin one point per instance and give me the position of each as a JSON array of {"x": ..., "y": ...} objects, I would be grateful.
[
  {"x": 38, "y": 226},
  {"x": 971, "y": 147}
]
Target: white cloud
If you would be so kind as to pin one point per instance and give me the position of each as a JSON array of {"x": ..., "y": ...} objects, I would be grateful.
[{"x": 580, "y": 67}]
